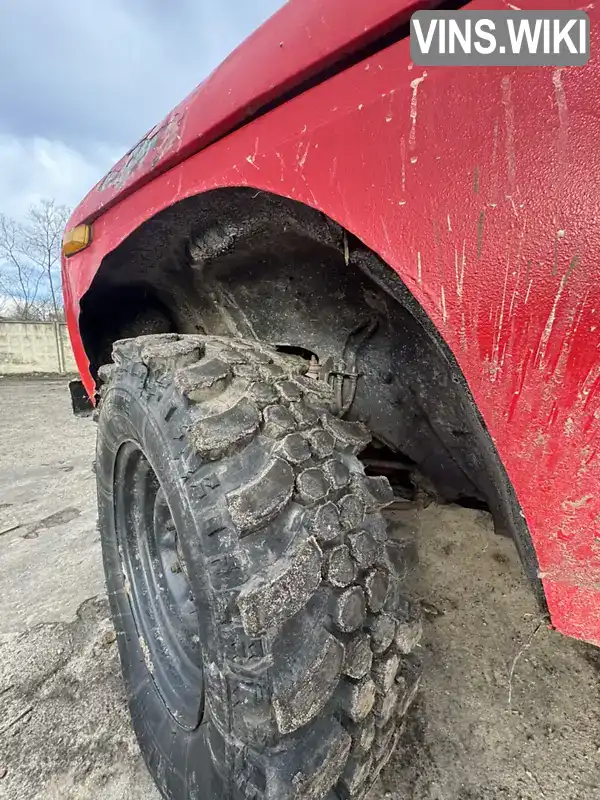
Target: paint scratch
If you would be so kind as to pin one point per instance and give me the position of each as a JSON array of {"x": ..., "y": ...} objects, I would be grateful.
[
  {"x": 519, "y": 260},
  {"x": 559, "y": 235},
  {"x": 386, "y": 232},
  {"x": 333, "y": 172},
  {"x": 509, "y": 122},
  {"x": 414, "y": 85},
  {"x": 588, "y": 384},
  {"x": 513, "y": 206},
  {"x": 282, "y": 162},
  {"x": 460, "y": 272},
  {"x": 302, "y": 158},
  {"x": 251, "y": 159},
  {"x": 444, "y": 311},
  {"x": 390, "y": 114},
  {"x": 403, "y": 160},
  {"x": 308, "y": 188},
  {"x": 545, "y": 337},
  {"x": 563, "y": 113},
  {"x": 419, "y": 266},
  {"x": 574, "y": 504},
  {"x": 496, "y": 348},
  {"x": 494, "y": 188}
]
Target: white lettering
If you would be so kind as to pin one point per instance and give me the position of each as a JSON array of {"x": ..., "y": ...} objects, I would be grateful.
[
  {"x": 516, "y": 39},
  {"x": 455, "y": 33},
  {"x": 546, "y": 36},
  {"x": 563, "y": 36},
  {"x": 425, "y": 42},
  {"x": 487, "y": 35},
  {"x": 522, "y": 38}
]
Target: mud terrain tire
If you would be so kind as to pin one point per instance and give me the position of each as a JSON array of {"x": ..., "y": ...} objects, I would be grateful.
[{"x": 297, "y": 679}]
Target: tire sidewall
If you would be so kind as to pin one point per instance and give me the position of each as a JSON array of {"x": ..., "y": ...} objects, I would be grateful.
[{"x": 129, "y": 414}]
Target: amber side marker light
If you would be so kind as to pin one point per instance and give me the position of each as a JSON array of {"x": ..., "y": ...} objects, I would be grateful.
[{"x": 76, "y": 239}]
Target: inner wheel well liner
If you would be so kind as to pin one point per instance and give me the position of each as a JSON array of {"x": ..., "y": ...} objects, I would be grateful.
[{"x": 239, "y": 263}]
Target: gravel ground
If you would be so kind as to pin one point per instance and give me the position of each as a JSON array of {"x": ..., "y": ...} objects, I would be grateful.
[{"x": 509, "y": 710}]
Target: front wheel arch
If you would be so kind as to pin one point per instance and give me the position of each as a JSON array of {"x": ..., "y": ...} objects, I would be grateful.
[{"x": 236, "y": 262}]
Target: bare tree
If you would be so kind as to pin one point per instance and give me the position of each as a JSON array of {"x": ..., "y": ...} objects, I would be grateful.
[
  {"x": 43, "y": 236},
  {"x": 19, "y": 279},
  {"x": 30, "y": 261}
]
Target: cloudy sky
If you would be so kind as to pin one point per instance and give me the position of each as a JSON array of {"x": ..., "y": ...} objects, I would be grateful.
[{"x": 83, "y": 80}]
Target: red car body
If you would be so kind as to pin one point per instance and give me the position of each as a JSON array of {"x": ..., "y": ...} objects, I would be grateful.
[{"x": 479, "y": 187}]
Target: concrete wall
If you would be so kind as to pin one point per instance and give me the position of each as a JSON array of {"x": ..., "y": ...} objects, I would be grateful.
[{"x": 27, "y": 347}]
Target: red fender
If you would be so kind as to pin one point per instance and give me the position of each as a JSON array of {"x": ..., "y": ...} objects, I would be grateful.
[{"x": 479, "y": 188}]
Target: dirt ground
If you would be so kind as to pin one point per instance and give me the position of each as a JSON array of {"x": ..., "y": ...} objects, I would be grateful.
[{"x": 509, "y": 710}]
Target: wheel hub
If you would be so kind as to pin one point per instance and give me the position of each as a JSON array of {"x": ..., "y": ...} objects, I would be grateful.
[{"x": 160, "y": 593}]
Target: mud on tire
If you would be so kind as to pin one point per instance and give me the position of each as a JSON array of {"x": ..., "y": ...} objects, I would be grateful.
[{"x": 303, "y": 633}]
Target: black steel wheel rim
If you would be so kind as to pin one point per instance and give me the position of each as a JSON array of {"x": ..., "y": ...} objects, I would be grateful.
[{"x": 156, "y": 581}]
